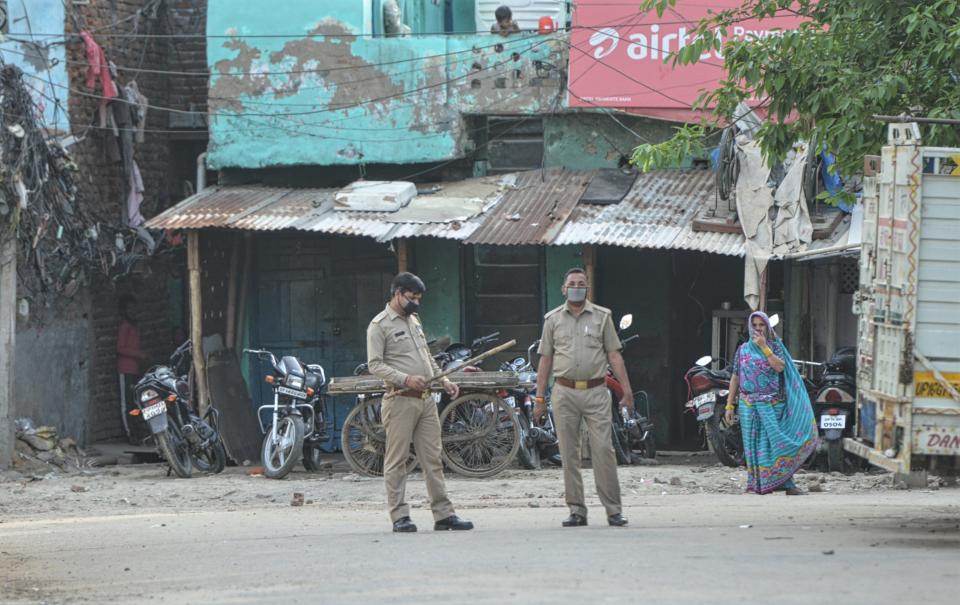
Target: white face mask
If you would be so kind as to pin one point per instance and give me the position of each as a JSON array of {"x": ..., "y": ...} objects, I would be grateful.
[{"x": 576, "y": 295}]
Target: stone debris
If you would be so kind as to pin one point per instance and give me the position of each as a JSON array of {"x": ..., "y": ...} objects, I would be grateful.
[
  {"x": 297, "y": 499},
  {"x": 39, "y": 449}
]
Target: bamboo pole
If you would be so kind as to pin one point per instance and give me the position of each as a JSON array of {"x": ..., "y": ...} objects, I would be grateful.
[
  {"x": 196, "y": 319},
  {"x": 403, "y": 255},
  {"x": 590, "y": 266}
]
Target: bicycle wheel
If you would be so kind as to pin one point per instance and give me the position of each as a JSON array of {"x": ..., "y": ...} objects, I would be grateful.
[
  {"x": 364, "y": 440},
  {"x": 480, "y": 434}
]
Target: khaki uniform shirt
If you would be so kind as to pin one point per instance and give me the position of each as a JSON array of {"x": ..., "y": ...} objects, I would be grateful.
[
  {"x": 579, "y": 345},
  {"x": 397, "y": 348}
]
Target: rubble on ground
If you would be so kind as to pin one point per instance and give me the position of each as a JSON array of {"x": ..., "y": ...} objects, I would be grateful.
[{"x": 41, "y": 450}]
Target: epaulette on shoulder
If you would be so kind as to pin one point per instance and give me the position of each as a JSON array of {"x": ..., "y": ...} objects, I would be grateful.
[
  {"x": 553, "y": 312},
  {"x": 378, "y": 317}
]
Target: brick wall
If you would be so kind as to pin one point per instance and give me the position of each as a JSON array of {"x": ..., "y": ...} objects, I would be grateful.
[{"x": 118, "y": 25}]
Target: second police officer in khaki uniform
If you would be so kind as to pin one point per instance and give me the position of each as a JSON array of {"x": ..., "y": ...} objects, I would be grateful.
[
  {"x": 578, "y": 342},
  {"x": 397, "y": 353}
]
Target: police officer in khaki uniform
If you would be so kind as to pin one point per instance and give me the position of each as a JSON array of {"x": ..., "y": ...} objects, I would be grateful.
[
  {"x": 397, "y": 352},
  {"x": 578, "y": 342}
]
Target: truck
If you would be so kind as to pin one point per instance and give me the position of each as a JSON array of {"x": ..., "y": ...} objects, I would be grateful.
[{"x": 908, "y": 359}]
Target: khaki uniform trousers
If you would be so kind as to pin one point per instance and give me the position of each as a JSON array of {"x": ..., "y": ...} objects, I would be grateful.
[
  {"x": 406, "y": 420},
  {"x": 570, "y": 406}
]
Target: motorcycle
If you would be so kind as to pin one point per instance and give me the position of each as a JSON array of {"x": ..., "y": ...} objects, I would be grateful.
[
  {"x": 184, "y": 439},
  {"x": 538, "y": 441},
  {"x": 707, "y": 392},
  {"x": 834, "y": 405},
  {"x": 632, "y": 433},
  {"x": 297, "y": 425}
]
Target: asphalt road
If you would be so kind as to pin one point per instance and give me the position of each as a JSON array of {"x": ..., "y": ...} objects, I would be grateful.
[{"x": 891, "y": 547}]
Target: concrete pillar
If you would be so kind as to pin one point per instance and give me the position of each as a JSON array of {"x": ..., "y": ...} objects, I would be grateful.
[{"x": 8, "y": 330}]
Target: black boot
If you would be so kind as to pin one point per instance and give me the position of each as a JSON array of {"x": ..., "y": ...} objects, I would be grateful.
[
  {"x": 575, "y": 520},
  {"x": 617, "y": 520},
  {"x": 404, "y": 525},
  {"x": 452, "y": 522}
]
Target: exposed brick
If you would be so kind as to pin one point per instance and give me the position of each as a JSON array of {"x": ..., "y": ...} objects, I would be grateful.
[{"x": 163, "y": 172}]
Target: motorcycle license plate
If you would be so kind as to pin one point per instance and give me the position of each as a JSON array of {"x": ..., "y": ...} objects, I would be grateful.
[
  {"x": 154, "y": 410},
  {"x": 833, "y": 422},
  {"x": 705, "y": 411},
  {"x": 292, "y": 393}
]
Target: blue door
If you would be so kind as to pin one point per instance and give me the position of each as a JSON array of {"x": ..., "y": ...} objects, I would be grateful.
[{"x": 315, "y": 296}]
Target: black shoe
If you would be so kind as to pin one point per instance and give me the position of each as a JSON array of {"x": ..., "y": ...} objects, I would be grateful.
[
  {"x": 452, "y": 522},
  {"x": 404, "y": 525},
  {"x": 575, "y": 520},
  {"x": 617, "y": 520}
]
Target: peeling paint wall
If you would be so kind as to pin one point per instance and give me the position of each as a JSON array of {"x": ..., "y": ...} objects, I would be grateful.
[
  {"x": 340, "y": 95},
  {"x": 44, "y": 65}
]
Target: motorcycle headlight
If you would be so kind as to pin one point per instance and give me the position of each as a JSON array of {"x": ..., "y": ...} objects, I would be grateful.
[
  {"x": 294, "y": 382},
  {"x": 148, "y": 395}
]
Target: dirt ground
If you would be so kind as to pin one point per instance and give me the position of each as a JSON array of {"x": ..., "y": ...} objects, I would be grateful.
[{"x": 118, "y": 490}]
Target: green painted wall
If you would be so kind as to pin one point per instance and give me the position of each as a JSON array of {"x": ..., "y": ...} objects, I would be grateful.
[
  {"x": 437, "y": 262},
  {"x": 333, "y": 97},
  {"x": 559, "y": 260},
  {"x": 464, "y": 16},
  {"x": 586, "y": 140}
]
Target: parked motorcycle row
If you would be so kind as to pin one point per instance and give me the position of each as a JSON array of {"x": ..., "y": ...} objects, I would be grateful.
[
  {"x": 483, "y": 430},
  {"x": 831, "y": 387}
]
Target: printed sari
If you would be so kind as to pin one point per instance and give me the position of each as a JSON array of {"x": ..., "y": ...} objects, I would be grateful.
[{"x": 776, "y": 418}]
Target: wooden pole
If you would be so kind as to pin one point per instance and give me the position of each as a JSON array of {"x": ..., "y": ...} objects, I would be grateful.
[
  {"x": 232, "y": 278},
  {"x": 762, "y": 306},
  {"x": 196, "y": 319},
  {"x": 242, "y": 295},
  {"x": 8, "y": 333},
  {"x": 590, "y": 266},
  {"x": 403, "y": 255}
]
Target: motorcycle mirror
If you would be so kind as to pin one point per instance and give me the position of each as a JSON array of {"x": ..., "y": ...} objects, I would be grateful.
[
  {"x": 774, "y": 320},
  {"x": 626, "y": 321},
  {"x": 704, "y": 361}
]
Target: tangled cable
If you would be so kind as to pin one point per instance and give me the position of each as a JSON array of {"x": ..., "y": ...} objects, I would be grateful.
[{"x": 61, "y": 241}]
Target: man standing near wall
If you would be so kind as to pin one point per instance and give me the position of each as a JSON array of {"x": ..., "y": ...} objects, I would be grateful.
[
  {"x": 578, "y": 341},
  {"x": 397, "y": 353}
]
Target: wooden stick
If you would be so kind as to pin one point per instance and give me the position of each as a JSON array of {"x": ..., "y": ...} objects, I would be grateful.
[{"x": 474, "y": 360}]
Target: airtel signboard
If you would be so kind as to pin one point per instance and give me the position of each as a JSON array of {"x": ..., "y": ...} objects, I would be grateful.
[{"x": 617, "y": 54}]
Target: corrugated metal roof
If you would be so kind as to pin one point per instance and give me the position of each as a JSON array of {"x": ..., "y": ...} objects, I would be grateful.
[
  {"x": 535, "y": 209},
  {"x": 657, "y": 212},
  {"x": 256, "y": 208}
]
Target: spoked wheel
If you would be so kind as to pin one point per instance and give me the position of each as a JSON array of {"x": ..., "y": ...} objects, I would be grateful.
[
  {"x": 480, "y": 433},
  {"x": 175, "y": 449},
  {"x": 282, "y": 450},
  {"x": 211, "y": 460},
  {"x": 364, "y": 440},
  {"x": 529, "y": 452},
  {"x": 725, "y": 440}
]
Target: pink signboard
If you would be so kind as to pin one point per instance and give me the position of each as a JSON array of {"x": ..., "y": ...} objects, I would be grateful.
[{"x": 617, "y": 54}]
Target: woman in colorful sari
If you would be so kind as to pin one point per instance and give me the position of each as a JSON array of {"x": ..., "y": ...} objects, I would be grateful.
[{"x": 776, "y": 418}]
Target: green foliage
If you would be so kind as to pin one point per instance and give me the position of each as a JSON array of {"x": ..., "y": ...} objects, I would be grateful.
[{"x": 849, "y": 60}]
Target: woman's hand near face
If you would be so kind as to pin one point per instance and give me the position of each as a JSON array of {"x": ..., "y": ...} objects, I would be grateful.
[{"x": 759, "y": 339}]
